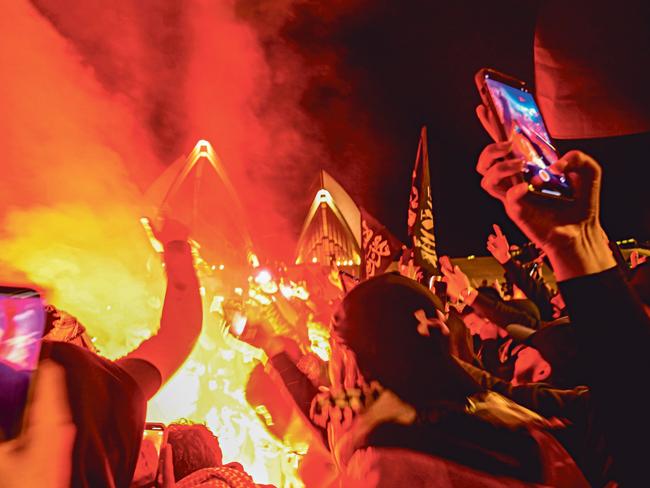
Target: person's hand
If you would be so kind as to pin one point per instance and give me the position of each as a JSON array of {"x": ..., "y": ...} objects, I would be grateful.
[
  {"x": 489, "y": 121},
  {"x": 169, "y": 230},
  {"x": 258, "y": 334},
  {"x": 568, "y": 231},
  {"x": 165, "y": 478},
  {"x": 42, "y": 455},
  {"x": 147, "y": 465},
  {"x": 261, "y": 335},
  {"x": 498, "y": 246},
  {"x": 636, "y": 259},
  {"x": 458, "y": 285}
]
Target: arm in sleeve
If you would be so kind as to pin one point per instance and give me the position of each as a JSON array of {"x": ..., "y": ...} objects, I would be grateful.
[
  {"x": 535, "y": 290},
  {"x": 300, "y": 387},
  {"x": 541, "y": 398},
  {"x": 182, "y": 316},
  {"x": 501, "y": 313},
  {"x": 611, "y": 324},
  {"x": 613, "y": 334}
]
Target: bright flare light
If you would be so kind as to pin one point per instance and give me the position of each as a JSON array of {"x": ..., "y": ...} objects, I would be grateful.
[{"x": 264, "y": 277}]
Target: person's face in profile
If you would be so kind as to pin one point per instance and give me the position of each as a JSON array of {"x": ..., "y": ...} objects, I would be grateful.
[
  {"x": 530, "y": 367},
  {"x": 474, "y": 323}
]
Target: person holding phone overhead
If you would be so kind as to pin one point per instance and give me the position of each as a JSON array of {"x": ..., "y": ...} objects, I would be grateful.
[{"x": 108, "y": 398}]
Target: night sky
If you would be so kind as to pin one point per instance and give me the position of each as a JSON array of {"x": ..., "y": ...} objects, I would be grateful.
[{"x": 381, "y": 70}]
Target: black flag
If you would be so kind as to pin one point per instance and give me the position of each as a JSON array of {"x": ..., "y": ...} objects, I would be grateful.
[
  {"x": 379, "y": 247},
  {"x": 420, "y": 212}
]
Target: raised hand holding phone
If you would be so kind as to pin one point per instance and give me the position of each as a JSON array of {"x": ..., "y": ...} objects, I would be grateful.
[
  {"x": 510, "y": 114},
  {"x": 22, "y": 321},
  {"x": 568, "y": 231}
]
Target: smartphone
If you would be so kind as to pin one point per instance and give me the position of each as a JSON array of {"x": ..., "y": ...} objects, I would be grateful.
[
  {"x": 520, "y": 120},
  {"x": 22, "y": 321},
  {"x": 154, "y": 436},
  {"x": 156, "y": 433}
]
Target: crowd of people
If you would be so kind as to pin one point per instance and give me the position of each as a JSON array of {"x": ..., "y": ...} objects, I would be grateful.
[
  {"x": 531, "y": 387},
  {"x": 538, "y": 383}
]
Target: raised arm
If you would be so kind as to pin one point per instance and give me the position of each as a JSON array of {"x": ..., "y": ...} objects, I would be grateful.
[
  {"x": 182, "y": 314},
  {"x": 535, "y": 290},
  {"x": 612, "y": 329},
  {"x": 499, "y": 312}
]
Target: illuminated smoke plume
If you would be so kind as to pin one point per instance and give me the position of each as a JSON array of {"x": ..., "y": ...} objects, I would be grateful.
[
  {"x": 214, "y": 70},
  {"x": 97, "y": 100},
  {"x": 69, "y": 208}
]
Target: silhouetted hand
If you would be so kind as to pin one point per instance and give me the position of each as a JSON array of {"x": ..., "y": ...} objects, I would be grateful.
[
  {"x": 261, "y": 335},
  {"x": 42, "y": 455},
  {"x": 170, "y": 230},
  {"x": 498, "y": 246}
]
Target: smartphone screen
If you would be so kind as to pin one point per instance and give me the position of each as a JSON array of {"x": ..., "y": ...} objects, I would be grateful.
[
  {"x": 22, "y": 320},
  {"x": 523, "y": 124},
  {"x": 154, "y": 434},
  {"x": 153, "y": 437}
]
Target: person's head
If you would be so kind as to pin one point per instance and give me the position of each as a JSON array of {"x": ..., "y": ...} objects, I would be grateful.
[
  {"x": 473, "y": 322},
  {"x": 530, "y": 366},
  {"x": 490, "y": 291},
  {"x": 547, "y": 355},
  {"x": 482, "y": 327},
  {"x": 527, "y": 306},
  {"x": 392, "y": 326},
  {"x": 194, "y": 447}
]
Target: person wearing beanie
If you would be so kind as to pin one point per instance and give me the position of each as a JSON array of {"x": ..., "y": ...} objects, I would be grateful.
[{"x": 419, "y": 401}]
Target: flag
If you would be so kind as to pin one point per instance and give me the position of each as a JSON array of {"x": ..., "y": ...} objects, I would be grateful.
[
  {"x": 420, "y": 212},
  {"x": 379, "y": 247}
]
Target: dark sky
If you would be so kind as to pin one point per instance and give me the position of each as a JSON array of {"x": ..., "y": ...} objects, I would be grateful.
[{"x": 383, "y": 69}]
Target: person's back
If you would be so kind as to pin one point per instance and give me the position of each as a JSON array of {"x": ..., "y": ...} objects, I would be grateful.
[
  {"x": 390, "y": 467},
  {"x": 108, "y": 399},
  {"x": 393, "y": 334},
  {"x": 108, "y": 409}
]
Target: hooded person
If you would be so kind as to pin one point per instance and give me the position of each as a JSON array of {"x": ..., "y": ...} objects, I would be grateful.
[{"x": 419, "y": 419}]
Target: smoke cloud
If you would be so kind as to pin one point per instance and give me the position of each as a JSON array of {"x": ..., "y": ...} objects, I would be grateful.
[
  {"x": 99, "y": 99},
  {"x": 69, "y": 205}
]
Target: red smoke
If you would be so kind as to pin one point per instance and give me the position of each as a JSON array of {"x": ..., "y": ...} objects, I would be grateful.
[{"x": 218, "y": 71}]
